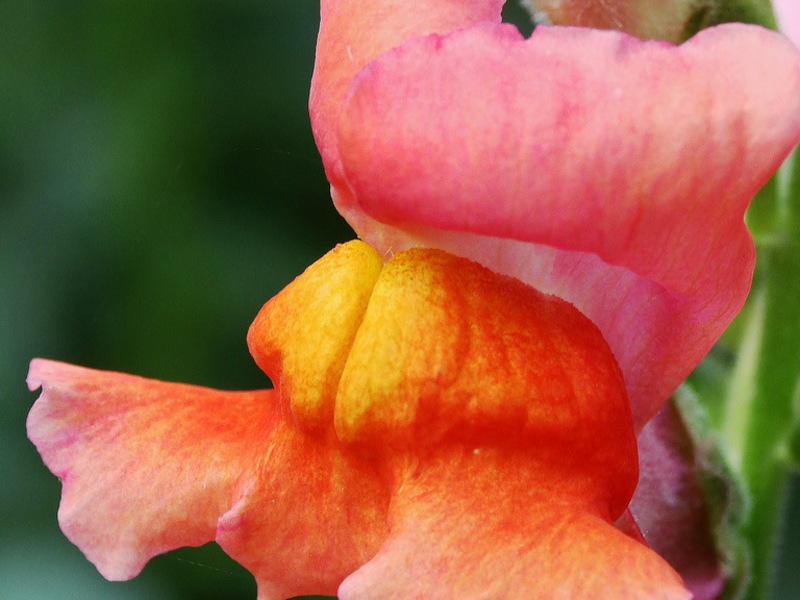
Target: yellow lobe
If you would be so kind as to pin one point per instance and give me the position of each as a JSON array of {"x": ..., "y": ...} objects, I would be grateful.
[
  {"x": 449, "y": 350},
  {"x": 301, "y": 338}
]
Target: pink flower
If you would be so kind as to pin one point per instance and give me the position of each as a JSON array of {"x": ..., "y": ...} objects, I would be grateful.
[{"x": 440, "y": 430}]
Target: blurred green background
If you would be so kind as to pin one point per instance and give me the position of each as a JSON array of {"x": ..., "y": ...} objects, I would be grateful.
[{"x": 158, "y": 183}]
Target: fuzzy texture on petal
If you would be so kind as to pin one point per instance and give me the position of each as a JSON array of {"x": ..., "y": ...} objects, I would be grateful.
[
  {"x": 477, "y": 523},
  {"x": 305, "y": 356},
  {"x": 611, "y": 172},
  {"x": 146, "y": 466},
  {"x": 670, "y": 504}
]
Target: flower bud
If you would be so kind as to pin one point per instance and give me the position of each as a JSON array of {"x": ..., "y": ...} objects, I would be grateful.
[{"x": 671, "y": 20}]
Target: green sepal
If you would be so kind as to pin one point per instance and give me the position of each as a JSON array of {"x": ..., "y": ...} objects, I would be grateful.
[
  {"x": 725, "y": 494},
  {"x": 707, "y": 13}
]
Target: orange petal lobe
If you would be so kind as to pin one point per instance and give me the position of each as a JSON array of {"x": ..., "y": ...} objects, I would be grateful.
[
  {"x": 474, "y": 523},
  {"x": 311, "y": 514},
  {"x": 146, "y": 466},
  {"x": 450, "y": 351}
]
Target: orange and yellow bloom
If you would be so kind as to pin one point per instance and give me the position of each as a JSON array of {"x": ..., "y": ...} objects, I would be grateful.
[
  {"x": 431, "y": 419},
  {"x": 554, "y": 239}
]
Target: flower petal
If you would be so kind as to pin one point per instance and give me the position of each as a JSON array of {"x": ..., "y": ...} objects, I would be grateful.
[
  {"x": 312, "y": 514},
  {"x": 302, "y": 336},
  {"x": 352, "y": 34},
  {"x": 611, "y": 172},
  {"x": 146, "y": 466},
  {"x": 449, "y": 351},
  {"x": 487, "y": 523}
]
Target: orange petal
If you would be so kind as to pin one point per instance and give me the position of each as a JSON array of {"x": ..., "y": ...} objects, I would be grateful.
[
  {"x": 449, "y": 349},
  {"x": 146, "y": 466},
  {"x": 501, "y": 417},
  {"x": 481, "y": 523},
  {"x": 311, "y": 515}
]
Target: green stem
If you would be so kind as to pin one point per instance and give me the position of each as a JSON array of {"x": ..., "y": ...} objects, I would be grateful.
[{"x": 760, "y": 414}]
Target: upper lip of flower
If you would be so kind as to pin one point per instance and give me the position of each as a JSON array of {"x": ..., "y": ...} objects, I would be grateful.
[{"x": 611, "y": 172}]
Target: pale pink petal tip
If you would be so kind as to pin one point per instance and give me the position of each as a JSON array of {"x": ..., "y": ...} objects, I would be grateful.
[{"x": 146, "y": 466}]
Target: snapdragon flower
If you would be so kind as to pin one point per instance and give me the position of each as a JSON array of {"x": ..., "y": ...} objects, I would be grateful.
[{"x": 459, "y": 423}]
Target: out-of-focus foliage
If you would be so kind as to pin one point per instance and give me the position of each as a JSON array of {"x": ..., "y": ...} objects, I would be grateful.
[{"x": 158, "y": 183}]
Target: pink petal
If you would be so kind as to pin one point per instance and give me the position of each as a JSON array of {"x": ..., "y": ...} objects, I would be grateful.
[
  {"x": 353, "y": 33},
  {"x": 146, "y": 466},
  {"x": 611, "y": 172},
  {"x": 312, "y": 514}
]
